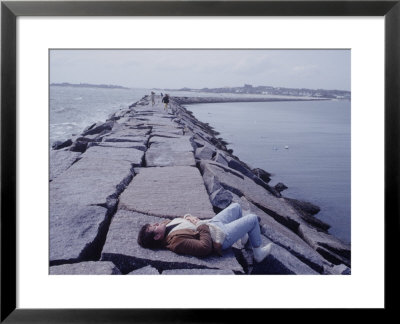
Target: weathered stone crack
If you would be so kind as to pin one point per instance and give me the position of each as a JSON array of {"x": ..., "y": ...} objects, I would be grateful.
[
  {"x": 127, "y": 264},
  {"x": 287, "y": 222},
  {"x": 93, "y": 251}
]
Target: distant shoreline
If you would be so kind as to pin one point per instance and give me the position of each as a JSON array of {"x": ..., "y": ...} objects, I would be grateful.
[
  {"x": 200, "y": 100},
  {"x": 248, "y": 89},
  {"x": 88, "y": 85}
]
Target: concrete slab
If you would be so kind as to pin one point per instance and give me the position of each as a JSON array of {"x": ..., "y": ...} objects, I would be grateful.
[
  {"x": 73, "y": 230},
  {"x": 125, "y": 131},
  {"x": 198, "y": 272},
  {"x": 280, "y": 261},
  {"x": 159, "y": 155},
  {"x": 330, "y": 247},
  {"x": 148, "y": 270},
  {"x": 134, "y": 145},
  {"x": 91, "y": 181},
  {"x": 165, "y": 151},
  {"x": 60, "y": 161},
  {"x": 167, "y": 192},
  {"x": 178, "y": 144},
  {"x": 204, "y": 153},
  {"x": 159, "y": 119},
  {"x": 132, "y": 139},
  {"x": 122, "y": 249},
  {"x": 165, "y": 134},
  {"x": 76, "y": 196},
  {"x": 168, "y": 129},
  {"x": 128, "y": 123},
  {"x": 114, "y": 153},
  {"x": 86, "y": 268}
]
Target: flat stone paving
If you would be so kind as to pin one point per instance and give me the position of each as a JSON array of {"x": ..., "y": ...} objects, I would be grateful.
[
  {"x": 167, "y": 192},
  {"x": 197, "y": 272},
  {"x": 89, "y": 181},
  {"x": 72, "y": 229},
  {"x": 122, "y": 249},
  {"x": 135, "y": 145},
  {"x": 60, "y": 161},
  {"x": 166, "y": 151},
  {"x": 117, "y": 138},
  {"x": 148, "y": 270},
  {"x": 79, "y": 195},
  {"x": 128, "y": 133},
  {"x": 114, "y": 154},
  {"x": 86, "y": 268}
]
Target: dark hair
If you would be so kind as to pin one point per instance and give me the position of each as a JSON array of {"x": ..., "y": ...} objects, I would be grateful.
[{"x": 146, "y": 238}]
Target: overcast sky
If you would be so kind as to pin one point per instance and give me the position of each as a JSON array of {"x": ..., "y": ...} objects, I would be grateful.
[{"x": 313, "y": 69}]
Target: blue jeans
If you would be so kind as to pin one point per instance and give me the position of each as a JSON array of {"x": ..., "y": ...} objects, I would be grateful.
[{"x": 235, "y": 225}]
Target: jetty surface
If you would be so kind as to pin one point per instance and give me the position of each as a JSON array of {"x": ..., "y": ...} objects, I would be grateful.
[{"x": 145, "y": 165}]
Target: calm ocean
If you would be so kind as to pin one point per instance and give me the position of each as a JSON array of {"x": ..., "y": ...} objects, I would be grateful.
[{"x": 305, "y": 145}]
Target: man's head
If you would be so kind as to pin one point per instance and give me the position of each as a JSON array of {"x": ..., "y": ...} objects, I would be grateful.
[{"x": 151, "y": 235}]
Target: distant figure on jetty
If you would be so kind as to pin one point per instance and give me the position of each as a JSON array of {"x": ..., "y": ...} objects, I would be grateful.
[
  {"x": 152, "y": 98},
  {"x": 192, "y": 236},
  {"x": 165, "y": 100}
]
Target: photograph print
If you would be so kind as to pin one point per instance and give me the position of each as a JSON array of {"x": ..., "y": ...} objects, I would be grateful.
[{"x": 199, "y": 162}]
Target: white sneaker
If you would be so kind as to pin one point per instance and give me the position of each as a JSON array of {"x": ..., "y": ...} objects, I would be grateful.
[{"x": 261, "y": 253}]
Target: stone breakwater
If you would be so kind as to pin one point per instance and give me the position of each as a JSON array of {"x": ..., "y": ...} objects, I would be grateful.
[{"x": 144, "y": 165}]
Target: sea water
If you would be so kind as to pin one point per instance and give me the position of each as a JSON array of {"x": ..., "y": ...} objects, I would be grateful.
[
  {"x": 72, "y": 109},
  {"x": 305, "y": 145}
]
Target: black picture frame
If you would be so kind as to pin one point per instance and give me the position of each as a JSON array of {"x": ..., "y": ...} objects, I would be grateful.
[{"x": 10, "y": 10}]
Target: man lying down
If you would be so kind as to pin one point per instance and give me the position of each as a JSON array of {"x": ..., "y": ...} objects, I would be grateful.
[{"x": 192, "y": 236}]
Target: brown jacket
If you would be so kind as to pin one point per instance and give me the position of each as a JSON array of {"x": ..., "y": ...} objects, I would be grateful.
[{"x": 186, "y": 241}]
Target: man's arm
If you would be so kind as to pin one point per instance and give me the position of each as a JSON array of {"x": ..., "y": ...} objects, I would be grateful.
[{"x": 197, "y": 247}]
